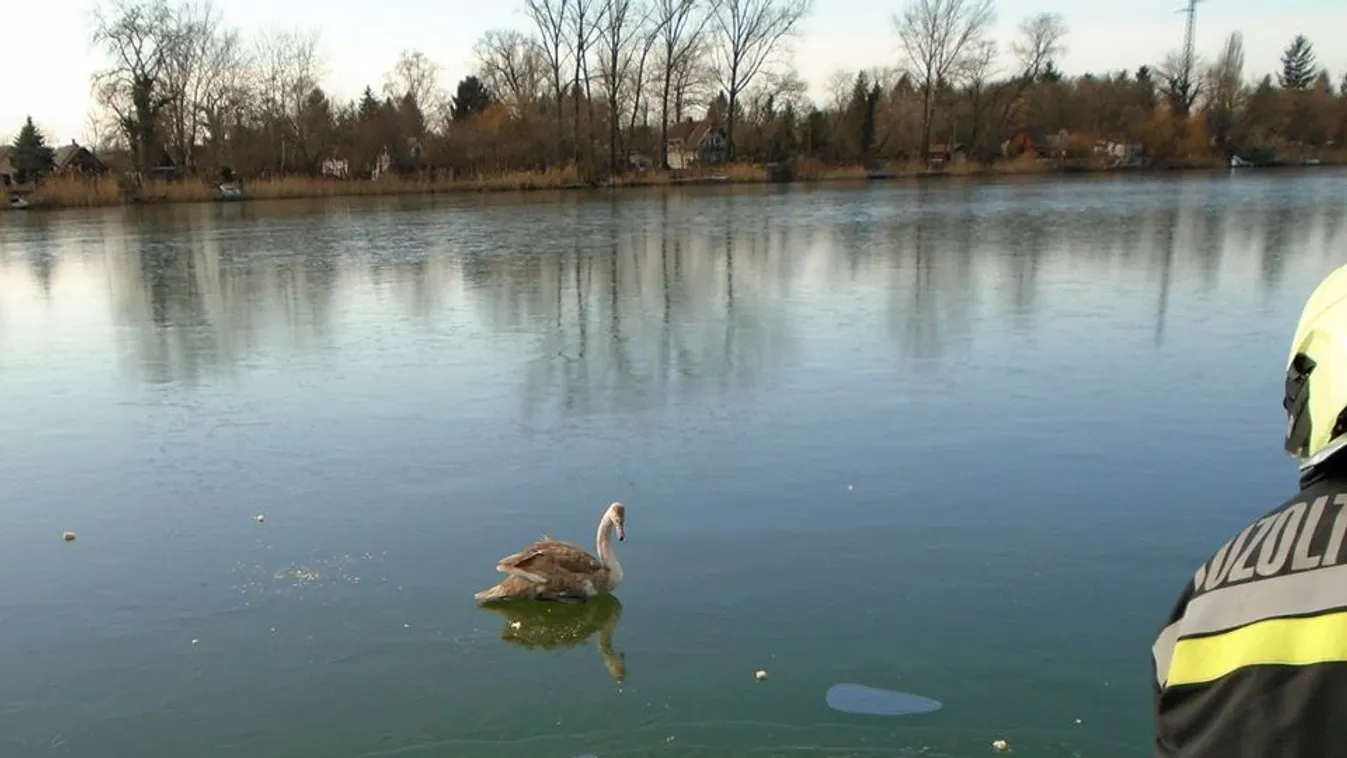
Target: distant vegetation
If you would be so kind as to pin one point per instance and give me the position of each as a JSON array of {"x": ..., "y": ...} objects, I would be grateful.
[{"x": 594, "y": 90}]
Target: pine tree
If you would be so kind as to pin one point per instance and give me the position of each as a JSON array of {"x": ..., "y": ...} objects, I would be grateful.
[
  {"x": 31, "y": 156},
  {"x": 470, "y": 99},
  {"x": 369, "y": 105},
  {"x": 1298, "y": 69}
]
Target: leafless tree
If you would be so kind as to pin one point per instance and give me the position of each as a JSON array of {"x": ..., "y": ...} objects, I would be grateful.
[
  {"x": 645, "y": 40},
  {"x": 549, "y": 18},
  {"x": 624, "y": 41},
  {"x": 584, "y": 31},
  {"x": 417, "y": 75},
  {"x": 680, "y": 24},
  {"x": 223, "y": 97},
  {"x": 694, "y": 79},
  {"x": 615, "y": 56},
  {"x": 1178, "y": 82},
  {"x": 101, "y": 132},
  {"x": 979, "y": 67},
  {"x": 192, "y": 72},
  {"x": 288, "y": 69},
  {"x": 937, "y": 37},
  {"x": 748, "y": 34},
  {"x": 1225, "y": 87},
  {"x": 511, "y": 66},
  {"x": 839, "y": 86},
  {"x": 141, "y": 37},
  {"x": 1038, "y": 43}
]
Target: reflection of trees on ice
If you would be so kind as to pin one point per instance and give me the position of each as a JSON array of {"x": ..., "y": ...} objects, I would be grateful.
[{"x": 639, "y": 302}]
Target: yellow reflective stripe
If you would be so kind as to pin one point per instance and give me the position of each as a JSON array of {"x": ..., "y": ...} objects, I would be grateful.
[{"x": 1284, "y": 641}]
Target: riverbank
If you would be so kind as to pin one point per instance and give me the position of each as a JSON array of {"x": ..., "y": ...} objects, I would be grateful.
[{"x": 74, "y": 192}]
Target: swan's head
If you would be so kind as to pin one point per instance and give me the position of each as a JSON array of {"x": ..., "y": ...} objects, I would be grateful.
[{"x": 617, "y": 513}]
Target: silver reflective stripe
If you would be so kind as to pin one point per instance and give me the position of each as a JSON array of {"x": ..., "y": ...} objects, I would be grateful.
[
  {"x": 1163, "y": 650},
  {"x": 1305, "y": 593}
]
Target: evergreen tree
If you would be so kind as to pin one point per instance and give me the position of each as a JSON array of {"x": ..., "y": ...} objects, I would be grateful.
[
  {"x": 31, "y": 157},
  {"x": 1298, "y": 70},
  {"x": 470, "y": 99},
  {"x": 861, "y": 114},
  {"x": 369, "y": 106}
]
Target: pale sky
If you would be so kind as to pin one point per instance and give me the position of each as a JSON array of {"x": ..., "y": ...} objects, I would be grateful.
[{"x": 361, "y": 41}]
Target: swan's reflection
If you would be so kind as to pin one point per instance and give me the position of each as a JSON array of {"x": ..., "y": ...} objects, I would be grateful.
[{"x": 552, "y": 626}]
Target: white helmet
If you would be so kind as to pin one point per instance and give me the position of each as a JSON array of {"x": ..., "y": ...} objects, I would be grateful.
[{"x": 1316, "y": 375}]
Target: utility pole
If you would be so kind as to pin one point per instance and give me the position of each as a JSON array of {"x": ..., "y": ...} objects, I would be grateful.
[
  {"x": 1183, "y": 84},
  {"x": 1191, "y": 12}
]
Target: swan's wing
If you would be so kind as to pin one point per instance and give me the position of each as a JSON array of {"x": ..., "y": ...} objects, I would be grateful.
[{"x": 549, "y": 557}]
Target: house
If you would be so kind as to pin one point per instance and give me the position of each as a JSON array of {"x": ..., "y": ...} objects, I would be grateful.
[
  {"x": 1120, "y": 153},
  {"x": 382, "y": 164},
  {"x": 75, "y": 159},
  {"x": 942, "y": 153},
  {"x": 337, "y": 168},
  {"x": 1030, "y": 142},
  {"x": 696, "y": 142}
]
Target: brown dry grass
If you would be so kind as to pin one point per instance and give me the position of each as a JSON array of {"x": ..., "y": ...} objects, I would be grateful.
[{"x": 73, "y": 192}]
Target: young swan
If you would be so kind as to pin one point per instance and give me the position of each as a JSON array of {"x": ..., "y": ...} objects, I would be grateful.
[{"x": 555, "y": 570}]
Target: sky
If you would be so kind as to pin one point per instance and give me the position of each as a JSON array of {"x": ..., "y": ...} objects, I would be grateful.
[{"x": 360, "y": 41}]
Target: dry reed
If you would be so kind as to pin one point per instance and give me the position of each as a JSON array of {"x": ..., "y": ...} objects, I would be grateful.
[{"x": 75, "y": 192}]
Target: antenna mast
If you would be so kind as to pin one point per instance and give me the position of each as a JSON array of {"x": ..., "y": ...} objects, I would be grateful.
[{"x": 1191, "y": 12}]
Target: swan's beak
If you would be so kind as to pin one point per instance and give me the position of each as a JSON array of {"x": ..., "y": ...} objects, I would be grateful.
[{"x": 621, "y": 533}]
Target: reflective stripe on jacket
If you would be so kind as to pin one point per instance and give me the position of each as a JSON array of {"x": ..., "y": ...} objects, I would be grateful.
[{"x": 1253, "y": 659}]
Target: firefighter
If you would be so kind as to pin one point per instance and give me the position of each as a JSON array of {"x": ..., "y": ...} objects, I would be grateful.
[{"x": 1253, "y": 659}]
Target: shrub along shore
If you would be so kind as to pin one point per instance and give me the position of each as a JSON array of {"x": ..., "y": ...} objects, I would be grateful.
[{"x": 76, "y": 192}]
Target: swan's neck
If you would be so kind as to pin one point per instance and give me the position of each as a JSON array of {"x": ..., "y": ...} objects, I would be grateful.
[{"x": 605, "y": 546}]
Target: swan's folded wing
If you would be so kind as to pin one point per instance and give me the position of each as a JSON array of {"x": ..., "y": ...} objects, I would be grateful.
[{"x": 549, "y": 555}]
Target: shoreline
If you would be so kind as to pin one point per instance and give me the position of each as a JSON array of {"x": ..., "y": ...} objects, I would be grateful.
[{"x": 70, "y": 193}]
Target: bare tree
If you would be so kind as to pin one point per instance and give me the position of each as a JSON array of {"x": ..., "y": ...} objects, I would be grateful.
[
  {"x": 749, "y": 33},
  {"x": 222, "y": 98},
  {"x": 141, "y": 37},
  {"x": 694, "y": 79},
  {"x": 1039, "y": 42},
  {"x": 619, "y": 25},
  {"x": 680, "y": 24},
  {"x": 511, "y": 66},
  {"x": 1225, "y": 88},
  {"x": 979, "y": 67},
  {"x": 549, "y": 18},
  {"x": 191, "y": 72},
  {"x": 1178, "y": 83},
  {"x": 584, "y": 31},
  {"x": 938, "y": 36},
  {"x": 417, "y": 75},
  {"x": 839, "y": 86},
  {"x": 288, "y": 70},
  {"x": 646, "y": 39}
]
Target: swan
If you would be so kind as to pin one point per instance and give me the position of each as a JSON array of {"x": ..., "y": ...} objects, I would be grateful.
[{"x": 555, "y": 570}]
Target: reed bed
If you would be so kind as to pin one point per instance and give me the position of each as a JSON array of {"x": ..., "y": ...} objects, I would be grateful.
[{"x": 76, "y": 192}]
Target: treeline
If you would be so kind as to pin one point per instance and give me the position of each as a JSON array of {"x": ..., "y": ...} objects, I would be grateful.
[{"x": 597, "y": 85}]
